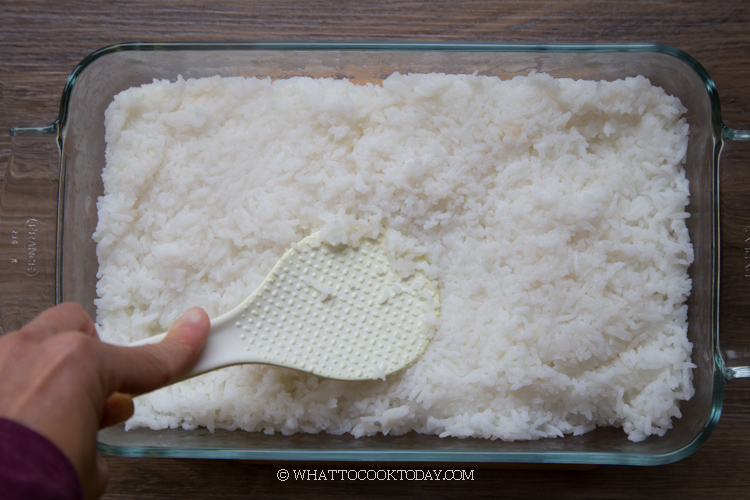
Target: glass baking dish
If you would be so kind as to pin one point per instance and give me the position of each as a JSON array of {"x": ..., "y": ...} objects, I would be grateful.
[{"x": 48, "y": 210}]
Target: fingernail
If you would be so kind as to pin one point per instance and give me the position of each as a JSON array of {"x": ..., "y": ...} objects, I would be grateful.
[{"x": 193, "y": 315}]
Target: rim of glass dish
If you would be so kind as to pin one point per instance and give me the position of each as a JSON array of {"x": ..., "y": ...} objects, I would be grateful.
[
  {"x": 720, "y": 131},
  {"x": 717, "y": 123}
]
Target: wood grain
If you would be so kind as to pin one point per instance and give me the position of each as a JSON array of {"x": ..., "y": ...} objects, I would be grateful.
[{"x": 42, "y": 41}]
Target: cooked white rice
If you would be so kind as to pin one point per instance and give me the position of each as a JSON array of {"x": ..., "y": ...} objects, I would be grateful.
[{"x": 552, "y": 212}]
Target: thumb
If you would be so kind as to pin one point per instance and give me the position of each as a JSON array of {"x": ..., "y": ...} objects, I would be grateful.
[
  {"x": 141, "y": 369},
  {"x": 190, "y": 330},
  {"x": 189, "y": 334}
]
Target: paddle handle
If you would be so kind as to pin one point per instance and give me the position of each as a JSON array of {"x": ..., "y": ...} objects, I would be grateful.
[{"x": 226, "y": 345}]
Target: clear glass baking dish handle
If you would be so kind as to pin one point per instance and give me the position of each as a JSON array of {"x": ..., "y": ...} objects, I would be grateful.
[
  {"x": 735, "y": 265},
  {"x": 28, "y": 225}
]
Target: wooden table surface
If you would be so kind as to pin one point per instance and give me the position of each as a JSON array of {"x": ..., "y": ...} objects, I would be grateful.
[{"x": 42, "y": 41}]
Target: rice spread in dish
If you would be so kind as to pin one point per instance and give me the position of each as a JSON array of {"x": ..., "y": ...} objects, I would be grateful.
[{"x": 551, "y": 212}]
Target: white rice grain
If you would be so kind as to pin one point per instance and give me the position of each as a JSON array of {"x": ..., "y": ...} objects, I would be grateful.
[{"x": 552, "y": 213}]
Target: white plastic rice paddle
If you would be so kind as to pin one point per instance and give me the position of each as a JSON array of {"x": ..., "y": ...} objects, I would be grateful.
[{"x": 334, "y": 311}]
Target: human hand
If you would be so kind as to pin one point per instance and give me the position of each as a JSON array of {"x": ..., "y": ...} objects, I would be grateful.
[{"x": 60, "y": 380}]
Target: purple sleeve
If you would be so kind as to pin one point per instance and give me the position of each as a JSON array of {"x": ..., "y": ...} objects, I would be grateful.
[{"x": 32, "y": 467}]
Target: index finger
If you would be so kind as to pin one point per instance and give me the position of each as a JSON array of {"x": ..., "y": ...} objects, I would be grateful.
[
  {"x": 64, "y": 317},
  {"x": 142, "y": 369}
]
